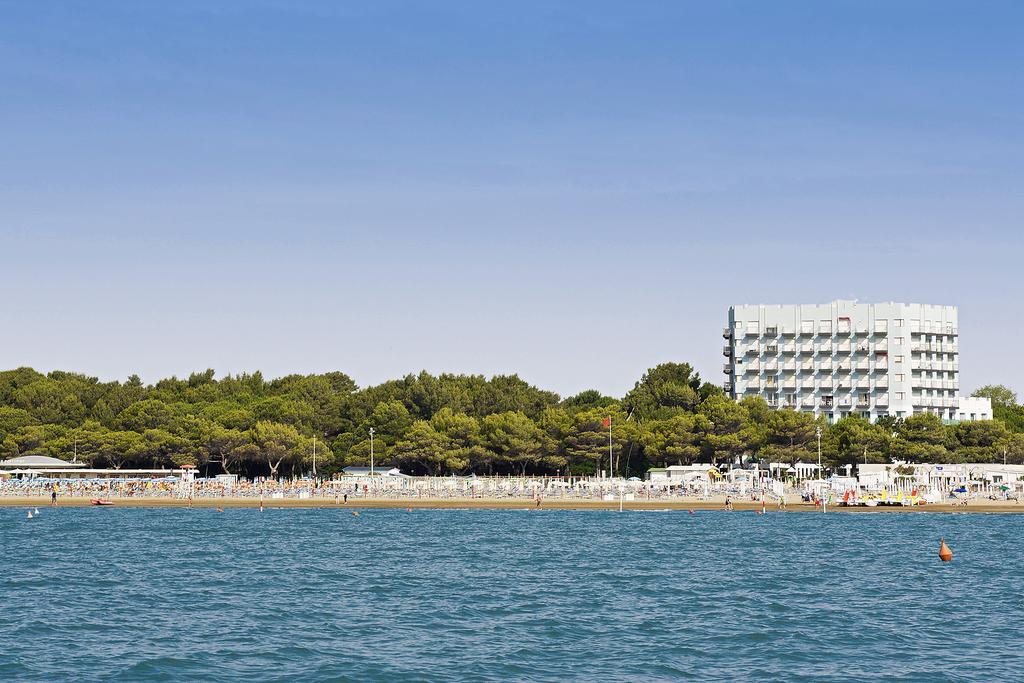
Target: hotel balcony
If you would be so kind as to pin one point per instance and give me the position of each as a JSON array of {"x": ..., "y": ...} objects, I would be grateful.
[
  {"x": 773, "y": 386},
  {"x": 844, "y": 347},
  {"x": 825, "y": 328},
  {"x": 807, "y": 329},
  {"x": 807, "y": 366},
  {"x": 752, "y": 330},
  {"x": 862, "y": 347},
  {"x": 788, "y": 384},
  {"x": 843, "y": 326},
  {"x": 862, "y": 366},
  {"x": 843, "y": 366},
  {"x": 882, "y": 382},
  {"x": 771, "y": 331},
  {"x": 789, "y": 365},
  {"x": 752, "y": 349},
  {"x": 882, "y": 345},
  {"x": 788, "y": 403},
  {"x": 881, "y": 365},
  {"x": 807, "y": 402},
  {"x": 844, "y": 402},
  {"x": 727, "y": 351},
  {"x": 771, "y": 366},
  {"x": 753, "y": 366},
  {"x": 825, "y": 384},
  {"x": 862, "y": 384},
  {"x": 881, "y": 327},
  {"x": 727, "y": 386},
  {"x": 882, "y": 400},
  {"x": 863, "y": 403},
  {"x": 726, "y": 332},
  {"x": 771, "y": 349},
  {"x": 826, "y": 402},
  {"x": 753, "y": 385},
  {"x": 727, "y": 368},
  {"x": 789, "y": 347},
  {"x": 862, "y": 330},
  {"x": 788, "y": 331},
  {"x": 844, "y": 383},
  {"x": 806, "y": 347}
]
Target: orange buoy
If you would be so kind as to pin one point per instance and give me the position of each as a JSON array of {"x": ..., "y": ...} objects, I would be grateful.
[{"x": 945, "y": 554}]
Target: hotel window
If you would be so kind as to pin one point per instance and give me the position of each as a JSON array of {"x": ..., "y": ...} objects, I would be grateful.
[
  {"x": 898, "y": 322},
  {"x": 866, "y": 414},
  {"x": 898, "y": 359},
  {"x": 900, "y": 395},
  {"x": 898, "y": 340},
  {"x": 900, "y": 377}
]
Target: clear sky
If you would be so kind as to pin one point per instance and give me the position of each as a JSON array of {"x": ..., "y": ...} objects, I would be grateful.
[{"x": 572, "y": 191}]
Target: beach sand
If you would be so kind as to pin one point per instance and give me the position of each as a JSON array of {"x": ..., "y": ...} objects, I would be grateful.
[{"x": 496, "y": 504}]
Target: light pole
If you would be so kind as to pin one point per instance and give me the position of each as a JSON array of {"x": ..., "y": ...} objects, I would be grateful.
[
  {"x": 817, "y": 433},
  {"x": 821, "y": 474},
  {"x": 371, "y": 451}
]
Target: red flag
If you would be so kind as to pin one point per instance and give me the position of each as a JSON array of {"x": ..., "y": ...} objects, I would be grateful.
[{"x": 606, "y": 422}]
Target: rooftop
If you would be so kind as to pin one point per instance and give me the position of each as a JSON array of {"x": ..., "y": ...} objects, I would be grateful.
[{"x": 38, "y": 461}]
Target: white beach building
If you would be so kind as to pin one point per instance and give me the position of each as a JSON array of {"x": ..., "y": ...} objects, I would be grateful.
[{"x": 846, "y": 357}]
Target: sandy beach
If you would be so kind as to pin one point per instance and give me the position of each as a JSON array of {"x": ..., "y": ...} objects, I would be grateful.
[{"x": 497, "y": 504}]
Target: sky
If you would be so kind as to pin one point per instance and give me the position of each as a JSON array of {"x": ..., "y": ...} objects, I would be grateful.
[{"x": 569, "y": 191}]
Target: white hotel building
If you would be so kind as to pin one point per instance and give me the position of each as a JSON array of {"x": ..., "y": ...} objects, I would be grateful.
[{"x": 846, "y": 357}]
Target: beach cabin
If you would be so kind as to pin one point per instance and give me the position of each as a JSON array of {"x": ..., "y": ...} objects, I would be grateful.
[
  {"x": 383, "y": 471},
  {"x": 698, "y": 474}
]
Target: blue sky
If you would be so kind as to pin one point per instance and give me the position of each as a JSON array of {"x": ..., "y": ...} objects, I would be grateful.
[{"x": 570, "y": 191}]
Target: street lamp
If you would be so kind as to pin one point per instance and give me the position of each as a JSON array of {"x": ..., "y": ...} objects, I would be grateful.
[
  {"x": 817, "y": 432},
  {"x": 371, "y": 451},
  {"x": 821, "y": 474}
]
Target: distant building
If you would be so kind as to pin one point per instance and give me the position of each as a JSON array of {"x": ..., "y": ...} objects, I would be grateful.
[
  {"x": 846, "y": 357},
  {"x": 973, "y": 408}
]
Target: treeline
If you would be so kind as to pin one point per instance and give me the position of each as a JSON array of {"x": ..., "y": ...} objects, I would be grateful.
[{"x": 459, "y": 424}]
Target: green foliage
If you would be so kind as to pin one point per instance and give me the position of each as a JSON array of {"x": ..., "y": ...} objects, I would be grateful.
[
  {"x": 1000, "y": 395},
  {"x": 450, "y": 423}
]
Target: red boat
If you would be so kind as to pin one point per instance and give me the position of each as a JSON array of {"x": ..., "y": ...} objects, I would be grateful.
[{"x": 101, "y": 501}]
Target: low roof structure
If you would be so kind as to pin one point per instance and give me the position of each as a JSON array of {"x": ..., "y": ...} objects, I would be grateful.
[
  {"x": 382, "y": 471},
  {"x": 37, "y": 461}
]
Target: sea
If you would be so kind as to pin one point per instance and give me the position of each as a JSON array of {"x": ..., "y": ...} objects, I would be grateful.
[{"x": 138, "y": 594}]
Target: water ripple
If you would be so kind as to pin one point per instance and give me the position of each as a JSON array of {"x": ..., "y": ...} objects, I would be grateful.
[{"x": 470, "y": 595}]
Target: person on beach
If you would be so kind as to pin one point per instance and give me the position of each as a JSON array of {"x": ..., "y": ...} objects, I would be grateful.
[
  {"x": 346, "y": 499},
  {"x": 728, "y": 504},
  {"x": 53, "y": 496}
]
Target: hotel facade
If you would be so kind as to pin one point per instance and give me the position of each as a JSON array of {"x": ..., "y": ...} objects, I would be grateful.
[{"x": 846, "y": 357}]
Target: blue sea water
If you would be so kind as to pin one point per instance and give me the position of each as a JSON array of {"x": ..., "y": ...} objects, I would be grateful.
[{"x": 139, "y": 594}]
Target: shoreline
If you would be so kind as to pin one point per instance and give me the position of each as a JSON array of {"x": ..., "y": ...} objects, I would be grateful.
[{"x": 494, "y": 504}]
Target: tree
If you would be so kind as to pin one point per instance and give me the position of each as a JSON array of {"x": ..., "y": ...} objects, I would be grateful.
[
  {"x": 675, "y": 440},
  {"x": 424, "y": 447},
  {"x": 513, "y": 441},
  {"x": 462, "y": 438},
  {"x": 49, "y": 401},
  {"x": 670, "y": 387},
  {"x": 276, "y": 442},
  {"x": 1000, "y": 395}
]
